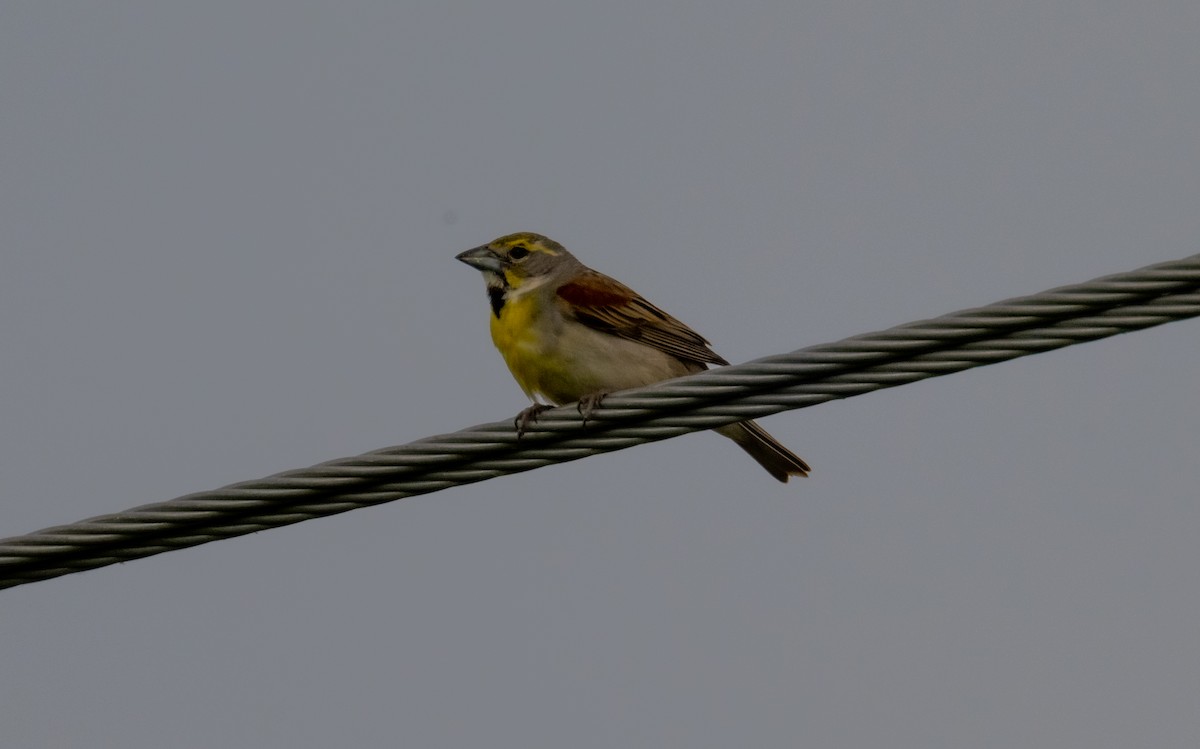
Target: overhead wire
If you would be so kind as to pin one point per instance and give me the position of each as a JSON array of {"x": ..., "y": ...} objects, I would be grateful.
[{"x": 1006, "y": 330}]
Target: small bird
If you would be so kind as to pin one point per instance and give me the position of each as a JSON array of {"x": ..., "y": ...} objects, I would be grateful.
[{"x": 569, "y": 333}]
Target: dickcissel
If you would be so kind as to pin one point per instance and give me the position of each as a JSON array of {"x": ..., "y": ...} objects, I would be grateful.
[{"x": 569, "y": 333}]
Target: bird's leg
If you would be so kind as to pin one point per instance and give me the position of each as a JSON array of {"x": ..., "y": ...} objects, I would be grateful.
[
  {"x": 589, "y": 403},
  {"x": 527, "y": 417}
]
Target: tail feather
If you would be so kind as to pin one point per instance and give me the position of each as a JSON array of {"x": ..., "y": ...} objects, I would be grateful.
[{"x": 779, "y": 461}]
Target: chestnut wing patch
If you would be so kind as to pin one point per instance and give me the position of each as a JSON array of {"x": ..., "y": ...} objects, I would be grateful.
[{"x": 612, "y": 307}]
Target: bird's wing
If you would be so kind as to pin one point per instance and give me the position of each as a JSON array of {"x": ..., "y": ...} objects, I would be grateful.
[{"x": 610, "y": 306}]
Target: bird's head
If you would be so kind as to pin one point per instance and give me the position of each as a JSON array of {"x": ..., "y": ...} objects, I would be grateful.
[{"x": 520, "y": 261}]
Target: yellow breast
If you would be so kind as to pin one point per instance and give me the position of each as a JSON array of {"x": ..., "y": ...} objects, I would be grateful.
[{"x": 524, "y": 344}]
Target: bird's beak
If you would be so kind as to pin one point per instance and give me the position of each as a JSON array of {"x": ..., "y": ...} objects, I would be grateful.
[{"x": 482, "y": 258}]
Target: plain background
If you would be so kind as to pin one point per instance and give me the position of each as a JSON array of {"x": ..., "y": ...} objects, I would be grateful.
[{"x": 227, "y": 233}]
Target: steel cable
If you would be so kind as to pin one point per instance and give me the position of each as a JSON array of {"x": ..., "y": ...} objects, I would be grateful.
[{"x": 930, "y": 348}]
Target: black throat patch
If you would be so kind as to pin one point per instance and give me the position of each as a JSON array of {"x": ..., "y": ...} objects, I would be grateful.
[{"x": 496, "y": 297}]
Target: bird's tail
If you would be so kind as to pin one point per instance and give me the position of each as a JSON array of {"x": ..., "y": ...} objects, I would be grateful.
[{"x": 779, "y": 461}]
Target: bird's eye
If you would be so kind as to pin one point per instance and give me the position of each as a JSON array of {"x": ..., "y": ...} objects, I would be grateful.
[{"x": 517, "y": 253}]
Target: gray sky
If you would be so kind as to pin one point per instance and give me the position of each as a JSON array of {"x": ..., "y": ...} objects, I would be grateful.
[{"x": 228, "y": 233}]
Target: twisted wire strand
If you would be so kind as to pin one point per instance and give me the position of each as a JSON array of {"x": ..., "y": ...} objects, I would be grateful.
[{"x": 907, "y": 353}]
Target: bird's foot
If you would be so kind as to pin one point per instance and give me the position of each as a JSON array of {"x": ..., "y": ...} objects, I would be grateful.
[
  {"x": 527, "y": 417},
  {"x": 589, "y": 403}
]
